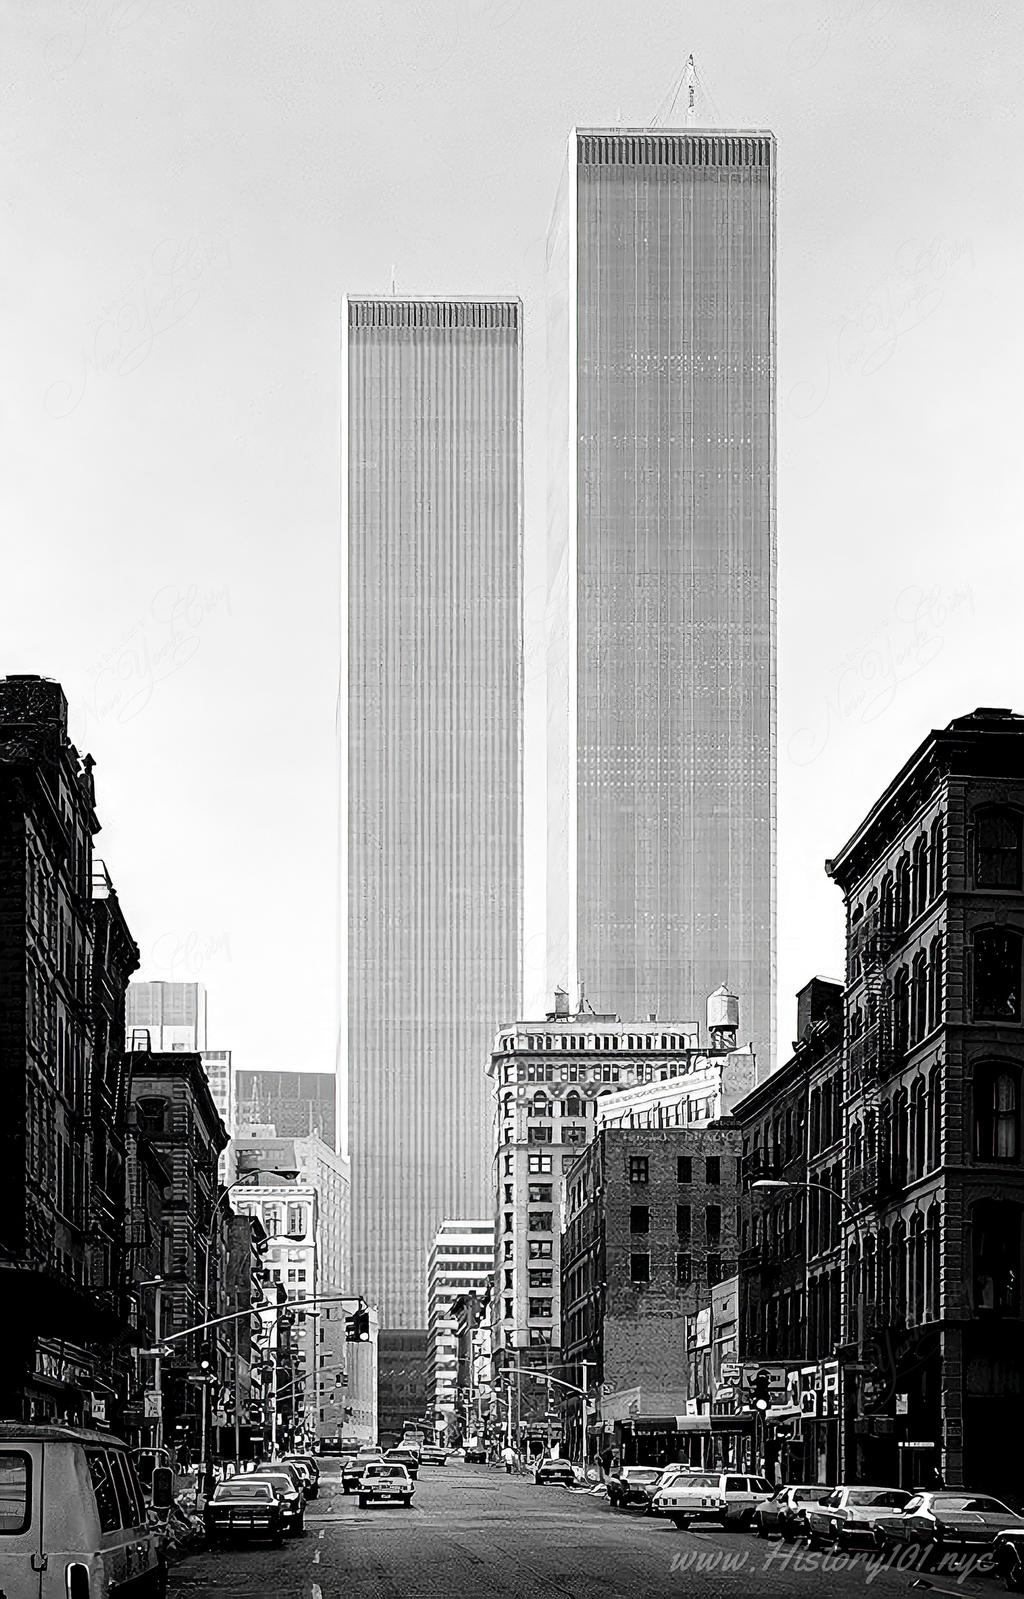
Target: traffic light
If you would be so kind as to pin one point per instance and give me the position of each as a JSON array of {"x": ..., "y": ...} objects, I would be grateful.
[
  {"x": 357, "y": 1328},
  {"x": 762, "y": 1391},
  {"x": 205, "y": 1361}
]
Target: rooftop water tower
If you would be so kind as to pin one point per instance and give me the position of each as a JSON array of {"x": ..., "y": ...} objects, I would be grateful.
[{"x": 723, "y": 1018}]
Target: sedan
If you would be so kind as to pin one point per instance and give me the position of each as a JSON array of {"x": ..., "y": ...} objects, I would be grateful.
[
  {"x": 950, "y": 1520},
  {"x": 786, "y": 1512},
  {"x": 432, "y": 1456},
  {"x": 309, "y": 1461},
  {"x": 383, "y": 1480},
  {"x": 554, "y": 1471},
  {"x": 848, "y": 1515},
  {"x": 293, "y": 1504},
  {"x": 632, "y": 1485},
  {"x": 354, "y": 1467},
  {"x": 298, "y": 1478},
  {"x": 404, "y": 1457},
  {"x": 243, "y": 1507}
]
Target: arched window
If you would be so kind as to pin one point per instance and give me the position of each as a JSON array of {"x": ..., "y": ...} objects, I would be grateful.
[
  {"x": 918, "y": 1128},
  {"x": 856, "y": 1145},
  {"x": 151, "y": 1114},
  {"x": 886, "y": 907},
  {"x": 937, "y": 859},
  {"x": 997, "y": 964},
  {"x": 934, "y": 1155},
  {"x": 870, "y": 1135},
  {"x": 900, "y": 1137},
  {"x": 915, "y": 1264},
  {"x": 997, "y": 1113},
  {"x": 997, "y": 847},
  {"x": 885, "y": 1150},
  {"x": 870, "y": 1281},
  {"x": 919, "y": 1000},
  {"x": 995, "y": 1227},
  {"x": 853, "y": 1286},
  {"x": 901, "y": 1012},
  {"x": 902, "y": 892},
  {"x": 919, "y": 891},
  {"x": 884, "y": 1315},
  {"x": 898, "y": 1272},
  {"x": 931, "y": 1265},
  {"x": 935, "y": 983},
  {"x": 540, "y": 1105}
]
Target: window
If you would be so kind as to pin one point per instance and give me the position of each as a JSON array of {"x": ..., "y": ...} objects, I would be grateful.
[
  {"x": 683, "y": 1221},
  {"x": 541, "y": 1279},
  {"x": 540, "y": 1221},
  {"x": 508, "y": 1221},
  {"x": 935, "y": 983},
  {"x": 15, "y": 1491},
  {"x": 639, "y": 1218},
  {"x": 997, "y": 1113},
  {"x": 713, "y": 1224},
  {"x": 996, "y": 1253},
  {"x": 541, "y": 1308},
  {"x": 151, "y": 1114},
  {"x": 936, "y": 860},
  {"x": 103, "y": 1487},
  {"x": 509, "y": 1312},
  {"x": 508, "y": 1193},
  {"x": 997, "y": 848},
  {"x": 508, "y": 1249},
  {"x": 638, "y": 1169},
  {"x": 684, "y": 1169},
  {"x": 713, "y": 1169},
  {"x": 540, "y": 1194},
  {"x": 574, "y": 1135},
  {"x": 539, "y": 1163},
  {"x": 684, "y": 1269},
  {"x": 540, "y": 1249},
  {"x": 919, "y": 891},
  {"x": 640, "y": 1268},
  {"x": 997, "y": 956},
  {"x": 272, "y": 1220},
  {"x": 714, "y": 1270},
  {"x": 297, "y": 1220},
  {"x": 540, "y": 1337},
  {"x": 902, "y": 891},
  {"x": 540, "y": 1135}
]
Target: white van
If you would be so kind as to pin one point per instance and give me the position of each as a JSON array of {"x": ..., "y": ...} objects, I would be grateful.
[{"x": 73, "y": 1518}]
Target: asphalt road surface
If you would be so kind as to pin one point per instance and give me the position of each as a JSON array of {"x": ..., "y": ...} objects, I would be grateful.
[{"x": 474, "y": 1532}]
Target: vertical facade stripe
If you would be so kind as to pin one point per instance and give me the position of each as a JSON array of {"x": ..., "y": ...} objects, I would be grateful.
[{"x": 433, "y": 496}]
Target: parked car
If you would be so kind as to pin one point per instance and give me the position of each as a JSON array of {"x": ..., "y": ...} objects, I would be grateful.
[
  {"x": 309, "y": 1461},
  {"x": 297, "y": 1475},
  {"x": 293, "y": 1504},
  {"x": 551, "y": 1470},
  {"x": 473, "y": 1454},
  {"x": 632, "y": 1485},
  {"x": 75, "y": 1494},
  {"x": 726, "y": 1497},
  {"x": 848, "y": 1514},
  {"x": 786, "y": 1512},
  {"x": 409, "y": 1458},
  {"x": 433, "y": 1456},
  {"x": 1008, "y": 1557},
  {"x": 247, "y": 1507},
  {"x": 384, "y": 1479},
  {"x": 950, "y": 1520},
  {"x": 354, "y": 1467}
]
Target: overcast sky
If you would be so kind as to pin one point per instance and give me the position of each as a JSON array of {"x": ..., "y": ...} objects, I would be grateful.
[{"x": 190, "y": 187}]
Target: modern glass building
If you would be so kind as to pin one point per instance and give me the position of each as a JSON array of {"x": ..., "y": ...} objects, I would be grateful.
[
  {"x": 661, "y": 752},
  {"x": 432, "y": 503}
]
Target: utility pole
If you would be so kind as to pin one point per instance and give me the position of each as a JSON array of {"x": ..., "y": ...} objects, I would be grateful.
[
  {"x": 238, "y": 1401},
  {"x": 157, "y": 1372}
]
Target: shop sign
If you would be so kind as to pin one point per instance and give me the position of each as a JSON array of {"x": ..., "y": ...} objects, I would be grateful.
[
  {"x": 60, "y": 1369},
  {"x": 902, "y": 1404},
  {"x": 702, "y": 1334}
]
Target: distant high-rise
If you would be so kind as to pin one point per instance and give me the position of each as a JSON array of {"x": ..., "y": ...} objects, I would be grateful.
[
  {"x": 295, "y": 1104},
  {"x": 661, "y": 757},
  {"x": 173, "y": 1014},
  {"x": 432, "y": 497}
]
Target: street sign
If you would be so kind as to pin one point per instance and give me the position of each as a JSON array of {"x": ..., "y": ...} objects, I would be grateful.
[
  {"x": 98, "y": 1408},
  {"x": 902, "y": 1404},
  {"x": 925, "y": 1443},
  {"x": 152, "y": 1402}
]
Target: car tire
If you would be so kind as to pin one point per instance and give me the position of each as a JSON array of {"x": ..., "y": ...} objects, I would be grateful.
[
  {"x": 277, "y": 1539},
  {"x": 680, "y": 1523},
  {"x": 300, "y": 1530},
  {"x": 758, "y": 1527},
  {"x": 362, "y": 1501},
  {"x": 813, "y": 1541},
  {"x": 1013, "y": 1573}
]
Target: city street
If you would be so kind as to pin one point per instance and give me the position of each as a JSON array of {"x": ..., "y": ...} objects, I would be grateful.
[{"x": 475, "y": 1531}]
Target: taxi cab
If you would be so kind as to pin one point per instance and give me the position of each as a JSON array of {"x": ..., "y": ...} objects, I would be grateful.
[{"x": 73, "y": 1518}]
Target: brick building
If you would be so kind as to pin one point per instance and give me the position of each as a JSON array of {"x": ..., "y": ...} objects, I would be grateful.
[
  {"x": 175, "y": 1111},
  {"x": 934, "y": 899},
  {"x": 651, "y": 1223},
  {"x": 66, "y": 956}
]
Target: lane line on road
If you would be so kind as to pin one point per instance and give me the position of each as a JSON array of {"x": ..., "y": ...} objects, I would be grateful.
[
  {"x": 322, "y": 1531},
  {"x": 317, "y": 1591},
  {"x": 316, "y": 1557}
]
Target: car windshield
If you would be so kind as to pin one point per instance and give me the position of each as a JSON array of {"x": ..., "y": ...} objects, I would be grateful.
[
  {"x": 278, "y": 1479},
  {"x": 641, "y": 1474},
  {"x": 386, "y": 1471},
  {"x": 952, "y": 1503},
  {"x": 886, "y": 1497},
  {"x": 236, "y": 1489},
  {"x": 806, "y": 1493}
]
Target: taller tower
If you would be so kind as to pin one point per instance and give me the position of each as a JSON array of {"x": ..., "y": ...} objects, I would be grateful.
[
  {"x": 661, "y": 757},
  {"x": 432, "y": 500}
]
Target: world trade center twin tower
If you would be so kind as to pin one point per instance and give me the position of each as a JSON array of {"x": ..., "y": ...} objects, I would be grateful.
[{"x": 661, "y": 557}]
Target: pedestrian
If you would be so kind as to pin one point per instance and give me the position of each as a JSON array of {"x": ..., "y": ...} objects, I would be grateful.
[
  {"x": 508, "y": 1455},
  {"x": 184, "y": 1459}
]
